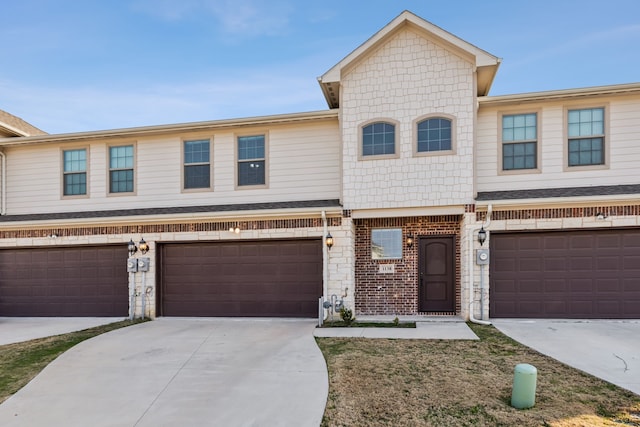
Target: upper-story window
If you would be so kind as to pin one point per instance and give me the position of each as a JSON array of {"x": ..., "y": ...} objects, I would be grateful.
[
  {"x": 121, "y": 169},
  {"x": 251, "y": 160},
  {"x": 379, "y": 139},
  {"x": 74, "y": 172},
  {"x": 586, "y": 136},
  {"x": 434, "y": 134},
  {"x": 519, "y": 141},
  {"x": 197, "y": 166}
]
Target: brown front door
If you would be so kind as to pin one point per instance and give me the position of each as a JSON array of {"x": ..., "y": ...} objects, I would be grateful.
[{"x": 436, "y": 272}]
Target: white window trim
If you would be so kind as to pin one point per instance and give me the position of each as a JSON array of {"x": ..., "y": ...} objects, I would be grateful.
[
  {"x": 538, "y": 168},
  {"x": 135, "y": 170},
  {"x": 62, "y": 174},
  {"x": 266, "y": 161},
  {"x": 182, "y": 162},
  {"x": 606, "y": 137}
]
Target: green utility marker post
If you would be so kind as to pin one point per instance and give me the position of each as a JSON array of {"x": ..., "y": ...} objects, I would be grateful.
[{"x": 524, "y": 386}]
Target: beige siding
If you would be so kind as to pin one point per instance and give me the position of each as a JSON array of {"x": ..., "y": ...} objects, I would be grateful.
[
  {"x": 623, "y": 114},
  {"x": 406, "y": 78},
  {"x": 303, "y": 164}
]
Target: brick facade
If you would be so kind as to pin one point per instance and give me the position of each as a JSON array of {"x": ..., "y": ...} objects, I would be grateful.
[{"x": 397, "y": 293}]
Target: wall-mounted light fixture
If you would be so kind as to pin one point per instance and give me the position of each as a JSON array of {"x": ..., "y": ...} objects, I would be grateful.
[
  {"x": 410, "y": 240},
  {"x": 601, "y": 216},
  {"x": 235, "y": 229},
  {"x": 132, "y": 247},
  {"x": 482, "y": 236},
  {"x": 328, "y": 240},
  {"x": 143, "y": 246}
]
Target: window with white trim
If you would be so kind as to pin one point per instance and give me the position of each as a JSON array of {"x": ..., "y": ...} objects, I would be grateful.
[
  {"x": 74, "y": 172},
  {"x": 121, "y": 169},
  {"x": 519, "y": 141},
  {"x": 585, "y": 130},
  {"x": 251, "y": 160},
  {"x": 197, "y": 166}
]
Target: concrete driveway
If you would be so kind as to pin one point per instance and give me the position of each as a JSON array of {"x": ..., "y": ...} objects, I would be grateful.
[
  {"x": 607, "y": 349},
  {"x": 18, "y": 329},
  {"x": 181, "y": 372}
]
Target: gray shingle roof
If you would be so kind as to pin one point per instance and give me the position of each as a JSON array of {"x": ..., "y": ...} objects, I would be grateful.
[
  {"x": 543, "y": 193},
  {"x": 173, "y": 210}
]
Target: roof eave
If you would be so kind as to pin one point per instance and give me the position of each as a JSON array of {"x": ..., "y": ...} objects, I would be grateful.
[
  {"x": 620, "y": 89},
  {"x": 181, "y": 127}
]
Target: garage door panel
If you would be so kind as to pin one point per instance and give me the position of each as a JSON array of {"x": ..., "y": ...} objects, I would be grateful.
[
  {"x": 248, "y": 278},
  {"x": 582, "y": 274},
  {"x": 64, "y": 281}
]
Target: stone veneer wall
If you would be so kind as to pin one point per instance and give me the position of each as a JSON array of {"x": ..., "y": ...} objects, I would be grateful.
[
  {"x": 397, "y": 293},
  {"x": 407, "y": 78}
]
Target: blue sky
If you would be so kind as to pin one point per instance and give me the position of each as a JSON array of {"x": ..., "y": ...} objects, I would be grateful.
[{"x": 72, "y": 66}]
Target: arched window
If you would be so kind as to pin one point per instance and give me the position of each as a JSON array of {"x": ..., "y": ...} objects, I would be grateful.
[
  {"x": 434, "y": 134},
  {"x": 378, "y": 139}
]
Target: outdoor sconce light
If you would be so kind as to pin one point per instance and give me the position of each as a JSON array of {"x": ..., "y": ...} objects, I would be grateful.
[
  {"x": 482, "y": 236},
  {"x": 328, "y": 241},
  {"x": 143, "y": 246},
  {"x": 132, "y": 248},
  {"x": 234, "y": 230},
  {"x": 600, "y": 216},
  {"x": 410, "y": 240}
]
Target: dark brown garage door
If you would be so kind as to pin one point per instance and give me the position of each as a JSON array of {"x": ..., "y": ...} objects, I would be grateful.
[
  {"x": 571, "y": 274},
  {"x": 258, "y": 278},
  {"x": 73, "y": 281}
]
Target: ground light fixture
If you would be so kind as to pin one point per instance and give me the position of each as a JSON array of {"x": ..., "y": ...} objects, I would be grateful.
[
  {"x": 482, "y": 236},
  {"x": 328, "y": 240}
]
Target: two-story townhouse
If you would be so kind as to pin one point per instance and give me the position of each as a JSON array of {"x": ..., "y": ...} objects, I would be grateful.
[
  {"x": 378, "y": 201},
  {"x": 559, "y": 171}
]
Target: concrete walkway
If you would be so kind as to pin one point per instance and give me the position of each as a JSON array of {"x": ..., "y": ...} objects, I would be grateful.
[
  {"x": 426, "y": 329},
  {"x": 607, "y": 349},
  {"x": 181, "y": 372}
]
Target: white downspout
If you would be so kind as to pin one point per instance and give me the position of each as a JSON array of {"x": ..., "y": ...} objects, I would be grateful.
[
  {"x": 325, "y": 258},
  {"x": 3, "y": 198},
  {"x": 484, "y": 225}
]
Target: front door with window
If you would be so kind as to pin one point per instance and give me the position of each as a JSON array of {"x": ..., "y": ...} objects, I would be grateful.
[{"x": 436, "y": 274}]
